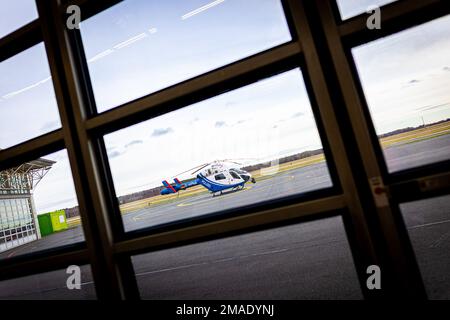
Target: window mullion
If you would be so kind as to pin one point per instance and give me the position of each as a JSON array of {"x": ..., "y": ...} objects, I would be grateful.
[{"x": 82, "y": 149}]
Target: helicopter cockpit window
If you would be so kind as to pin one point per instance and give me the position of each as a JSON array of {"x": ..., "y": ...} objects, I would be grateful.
[
  {"x": 220, "y": 176},
  {"x": 234, "y": 175}
]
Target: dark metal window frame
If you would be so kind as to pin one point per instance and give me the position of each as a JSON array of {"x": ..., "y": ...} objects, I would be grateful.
[
  {"x": 376, "y": 235},
  {"x": 406, "y": 185}
]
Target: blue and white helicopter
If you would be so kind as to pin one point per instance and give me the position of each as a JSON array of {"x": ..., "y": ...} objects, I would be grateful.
[{"x": 215, "y": 176}]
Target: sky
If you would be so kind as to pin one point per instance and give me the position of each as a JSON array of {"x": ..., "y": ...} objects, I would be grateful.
[
  {"x": 406, "y": 77},
  {"x": 17, "y": 14},
  {"x": 351, "y": 8},
  {"x": 138, "y": 47},
  {"x": 56, "y": 190}
]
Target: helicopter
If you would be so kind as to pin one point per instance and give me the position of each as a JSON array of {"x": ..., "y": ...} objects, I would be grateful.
[{"x": 215, "y": 176}]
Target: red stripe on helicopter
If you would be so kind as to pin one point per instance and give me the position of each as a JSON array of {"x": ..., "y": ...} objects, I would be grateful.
[{"x": 169, "y": 186}]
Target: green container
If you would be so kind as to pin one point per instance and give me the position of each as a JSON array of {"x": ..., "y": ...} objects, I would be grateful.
[
  {"x": 52, "y": 222},
  {"x": 45, "y": 224}
]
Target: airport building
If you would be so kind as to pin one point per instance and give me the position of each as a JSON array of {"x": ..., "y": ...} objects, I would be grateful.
[{"x": 18, "y": 218}]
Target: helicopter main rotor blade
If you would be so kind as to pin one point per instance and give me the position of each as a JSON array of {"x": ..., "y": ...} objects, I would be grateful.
[
  {"x": 179, "y": 174},
  {"x": 201, "y": 168},
  {"x": 228, "y": 161},
  {"x": 237, "y": 159}
]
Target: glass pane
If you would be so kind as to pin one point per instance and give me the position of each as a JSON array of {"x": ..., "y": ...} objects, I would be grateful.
[
  {"x": 49, "y": 286},
  {"x": 27, "y": 100},
  {"x": 305, "y": 261},
  {"x": 38, "y": 206},
  {"x": 351, "y": 8},
  {"x": 139, "y": 46},
  {"x": 428, "y": 223},
  {"x": 184, "y": 164},
  {"x": 405, "y": 78},
  {"x": 16, "y": 14}
]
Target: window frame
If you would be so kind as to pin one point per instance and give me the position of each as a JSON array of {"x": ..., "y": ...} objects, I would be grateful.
[
  {"x": 318, "y": 46},
  {"x": 420, "y": 182}
]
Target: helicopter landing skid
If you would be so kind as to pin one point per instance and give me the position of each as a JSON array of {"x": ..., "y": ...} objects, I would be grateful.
[
  {"x": 234, "y": 189},
  {"x": 217, "y": 193}
]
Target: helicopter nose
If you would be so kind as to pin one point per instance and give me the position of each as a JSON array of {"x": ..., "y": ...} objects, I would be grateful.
[{"x": 245, "y": 177}]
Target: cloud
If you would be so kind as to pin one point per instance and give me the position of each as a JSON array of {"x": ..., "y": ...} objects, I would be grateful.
[
  {"x": 220, "y": 124},
  {"x": 298, "y": 114},
  {"x": 131, "y": 143},
  {"x": 161, "y": 131},
  {"x": 114, "y": 154}
]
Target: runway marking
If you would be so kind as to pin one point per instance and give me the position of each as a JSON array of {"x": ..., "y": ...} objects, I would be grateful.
[
  {"x": 441, "y": 239},
  {"x": 267, "y": 252},
  {"x": 429, "y": 224},
  {"x": 172, "y": 269},
  {"x": 225, "y": 259},
  {"x": 20, "y": 248},
  {"x": 212, "y": 262}
]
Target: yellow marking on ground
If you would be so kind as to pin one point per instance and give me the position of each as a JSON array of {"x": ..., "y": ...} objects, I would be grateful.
[
  {"x": 73, "y": 222},
  {"x": 160, "y": 199},
  {"x": 427, "y": 132},
  {"x": 186, "y": 204}
]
